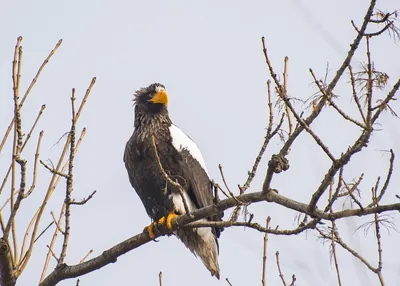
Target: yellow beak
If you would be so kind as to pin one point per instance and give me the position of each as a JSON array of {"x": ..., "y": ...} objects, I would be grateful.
[{"x": 160, "y": 97}]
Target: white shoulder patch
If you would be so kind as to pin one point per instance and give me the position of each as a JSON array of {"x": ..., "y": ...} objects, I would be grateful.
[{"x": 181, "y": 141}]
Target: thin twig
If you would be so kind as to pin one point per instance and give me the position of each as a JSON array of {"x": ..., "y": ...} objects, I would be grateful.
[
  {"x": 160, "y": 278},
  {"x": 333, "y": 104},
  {"x": 35, "y": 165},
  {"x": 378, "y": 236},
  {"x": 293, "y": 280},
  {"x": 226, "y": 184},
  {"x": 53, "y": 254},
  {"x": 333, "y": 246},
  {"x": 270, "y": 134},
  {"x": 56, "y": 223},
  {"x": 52, "y": 170},
  {"x": 388, "y": 176},
  {"x": 285, "y": 76},
  {"x": 28, "y": 229},
  {"x": 84, "y": 200},
  {"x": 29, "y": 89},
  {"x": 279, "y": 268},
  {"x": 52, "y": 184},
  {"x": 86, "y": 256},
  {"x": 369, "y": 85},
  {"x": 355, "y": 96},
  {"x": 44, "y": 231},
  {"x": 168, "y": 179},
  {"x": 23, "y": 146},
  {"x": 70, "y": 182},
  {"x": 53, "y": 240},
  {"x": 264, "y": 261}
]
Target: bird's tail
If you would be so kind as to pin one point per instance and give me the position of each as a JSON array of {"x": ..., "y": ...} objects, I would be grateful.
[{"x": 203, "y": 243}]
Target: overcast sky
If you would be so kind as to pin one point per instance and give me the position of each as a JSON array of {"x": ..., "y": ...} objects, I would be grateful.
[{"x": 208, "y": 55}]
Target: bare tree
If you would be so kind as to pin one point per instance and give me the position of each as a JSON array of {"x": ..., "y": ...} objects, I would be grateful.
[{"x": 320, "y": 215}]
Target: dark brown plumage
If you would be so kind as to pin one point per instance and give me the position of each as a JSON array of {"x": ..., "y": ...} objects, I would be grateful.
[{"x": 181, "y": 160}]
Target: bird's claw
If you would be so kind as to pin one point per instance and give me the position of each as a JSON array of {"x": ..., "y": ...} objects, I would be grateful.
[
  {"x": 164, "y": 221},
  {"x": 150, "y": 229}
]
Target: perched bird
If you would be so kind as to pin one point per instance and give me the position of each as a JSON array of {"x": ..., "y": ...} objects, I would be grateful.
[{"x": 182, "y": 162}]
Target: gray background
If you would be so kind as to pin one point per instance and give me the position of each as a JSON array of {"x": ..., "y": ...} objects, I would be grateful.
[{"x": 208, "y": 55}]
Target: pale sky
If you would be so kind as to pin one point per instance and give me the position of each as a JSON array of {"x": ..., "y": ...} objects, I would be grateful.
[{"x": 208, "y": 55}]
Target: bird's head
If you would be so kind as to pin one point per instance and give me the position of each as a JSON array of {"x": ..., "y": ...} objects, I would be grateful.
[{"x": 152, "y": 99}]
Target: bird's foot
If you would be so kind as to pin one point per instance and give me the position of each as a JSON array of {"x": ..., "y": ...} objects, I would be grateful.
[
  {"x": 167, "y": 221},
  {"x": 164, "y": 221},
  {"x": 150, "y": 230}
]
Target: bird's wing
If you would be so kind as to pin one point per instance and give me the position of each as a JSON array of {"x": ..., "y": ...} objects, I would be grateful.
[{"x": 194, "y": 166}]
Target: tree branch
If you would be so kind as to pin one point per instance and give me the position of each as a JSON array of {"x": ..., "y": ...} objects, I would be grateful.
[
  {"x": 110, "y": 255},
  {"x": 7, "y": 273}
]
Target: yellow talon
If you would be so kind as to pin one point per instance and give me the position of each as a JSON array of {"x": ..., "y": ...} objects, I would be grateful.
[
  {"x": 150, "y": 231},
  {"x": 167, "y": 221},
  {"x": 170, "y": 217},
  {"x": 161, "y": 220}
]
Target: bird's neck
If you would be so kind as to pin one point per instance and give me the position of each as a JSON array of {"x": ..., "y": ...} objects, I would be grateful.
[{"x": 148, "y": 124}]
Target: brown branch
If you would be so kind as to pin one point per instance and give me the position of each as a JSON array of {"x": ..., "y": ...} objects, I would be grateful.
[
  {"x": 58, "y": 226},
  {"x": 355, "y": 96},
  {"x": 387, "y": 26},
  {"x": 360, "y": 143},
  {"x": 33, "y": 185},
  {"x": 382, "y": 19},
  {"x": 53, "y": 171},
  {"x": 26, "y": 238},
  {"x": 53, "y": 180},
  {"x": 351, "y": 190},
  {"x": 255, "y": 226},
  {"x": 7, "y": 272},
  {"x": 381, "y": 107},
  {"x": 279, "y": 268},
  {"x": 168, "y": 179},
  {"x": 293, "y": 280},
  {"x": 333, "y": 246},
  {"x": 23, "y": 146},
  {"x": 86, "y": 256},
  {"x": 307, "y": 128},
  {"x": 44, "y": 231},
  {"x": 316, "y": 111},
  {"x": 160, "y": 278},
  {"x": 388, "y": 176},
  {"x": 84, "y": 200},
  {"x": 226, "y": 185},
  {"x": 29, "y": 89},
  {"x": 70, "y": 181},
  {"x": 285, "y": 76},
  {"x": 110, "y": 256},
  {"x": 339, "y": 241},
  {"x": 53, "y": 254},
  {"x": 277, "y": 164},
  {"x": 270, "y": 134},
  {"x": 332, "y": 84},
  {"x": 378, "y": 236},
  {"x": 336, "y": 193},
  {"x": 369, "y": 85},
  {"x": 53, "y": 240},
  {"x": 333, "y": 104},
  {"x": 10, "y": 226},
  {"x": 264, "y": 260}
]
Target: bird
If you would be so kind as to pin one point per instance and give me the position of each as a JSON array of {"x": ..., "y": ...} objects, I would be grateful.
[{"x": 156, "y": 145}]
